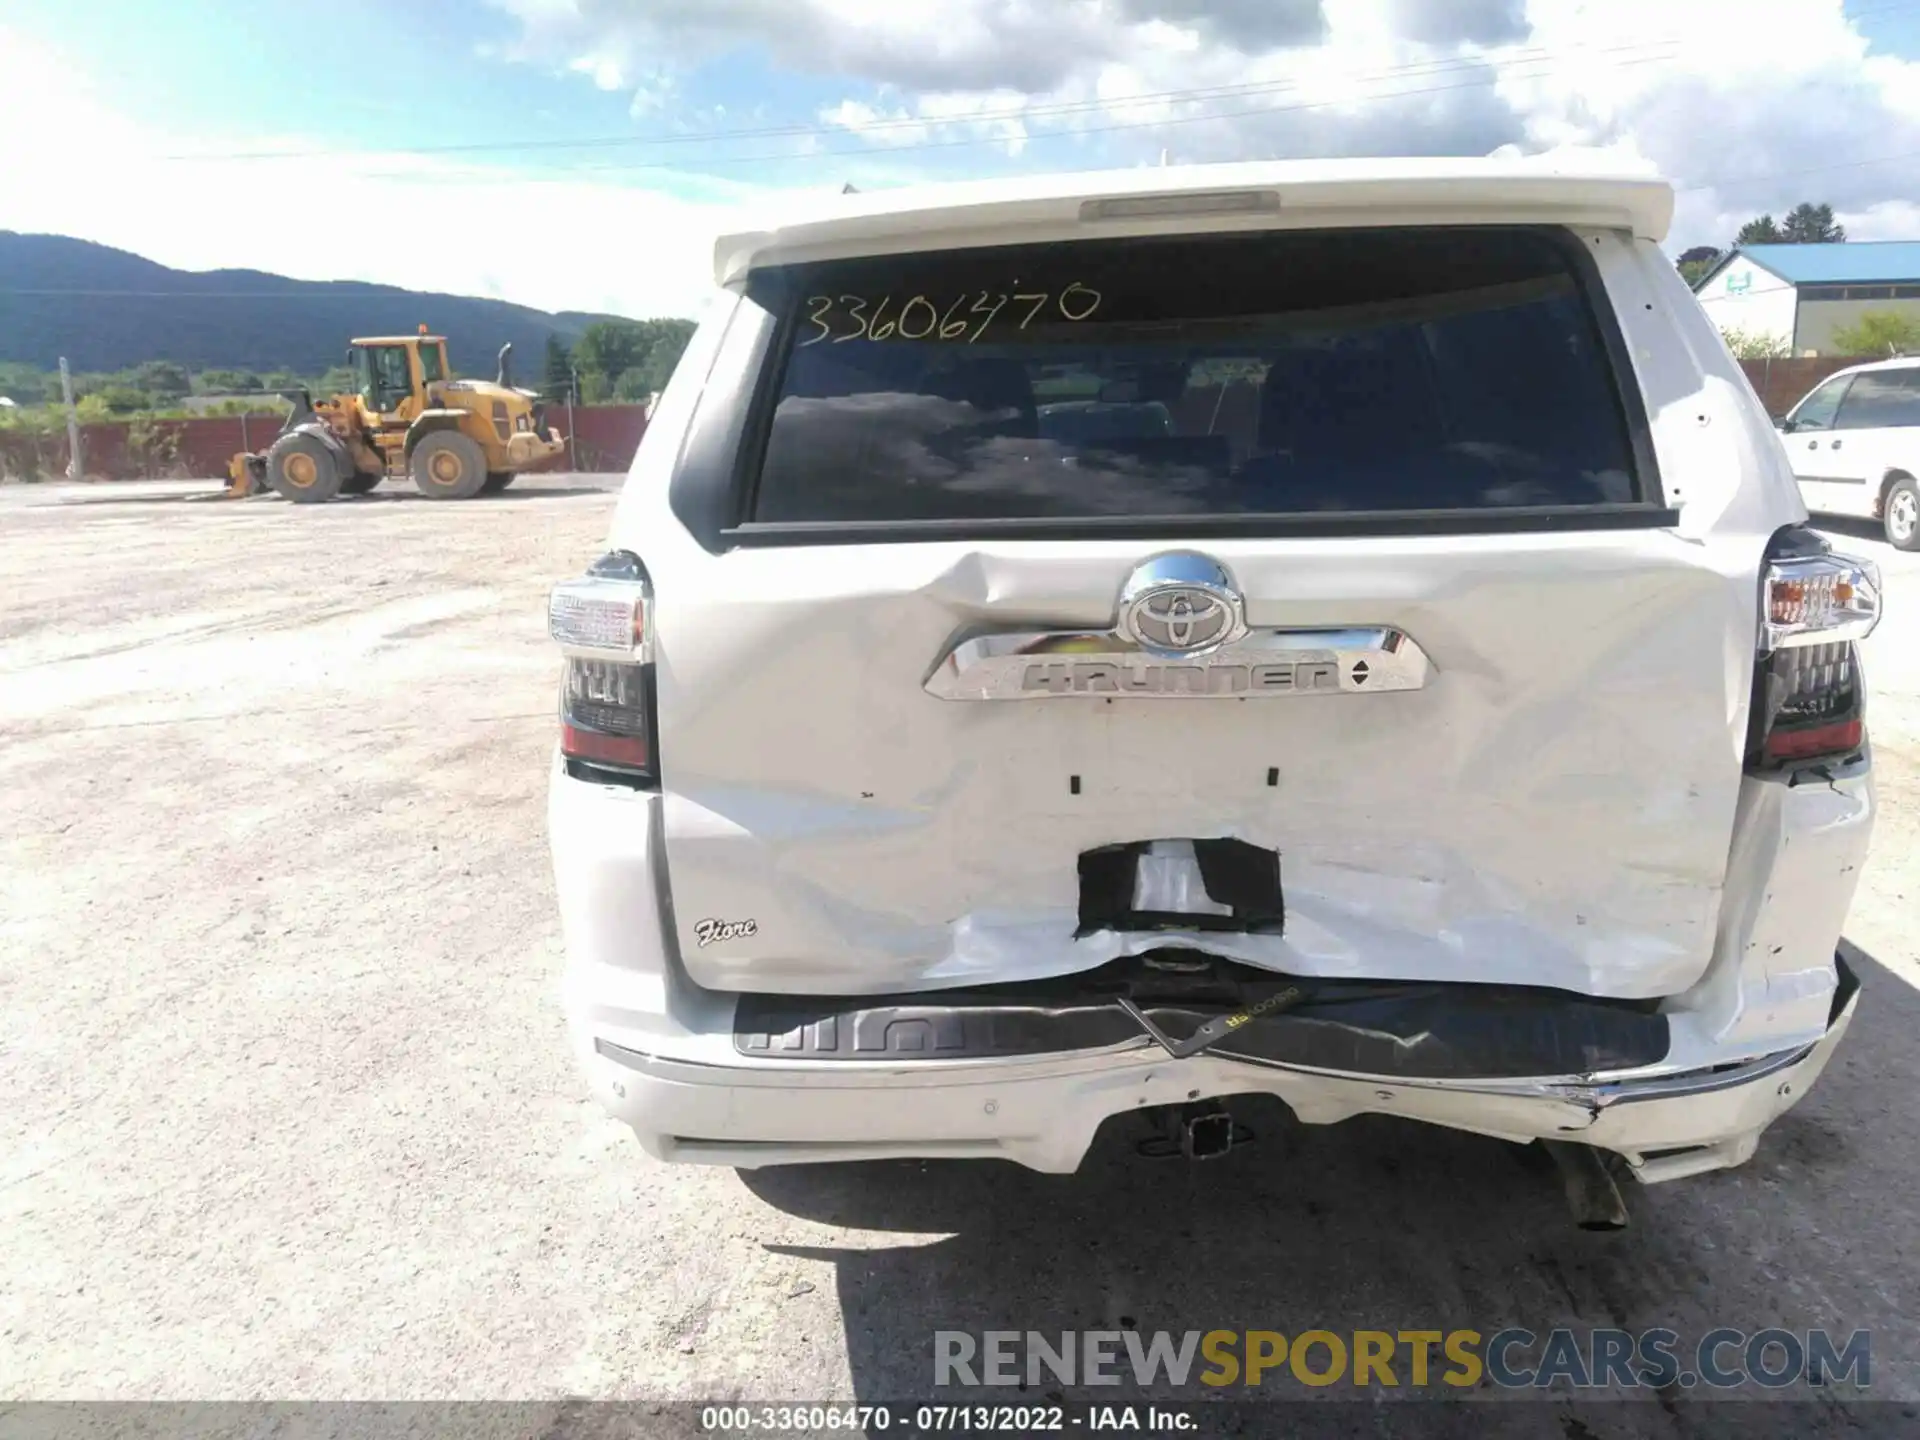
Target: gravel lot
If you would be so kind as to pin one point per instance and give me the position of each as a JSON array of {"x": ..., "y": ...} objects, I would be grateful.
[{"x": 289, "y": 1113}]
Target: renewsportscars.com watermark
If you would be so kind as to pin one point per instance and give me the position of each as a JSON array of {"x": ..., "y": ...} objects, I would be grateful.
[{"x": 1511, "y": 1359}]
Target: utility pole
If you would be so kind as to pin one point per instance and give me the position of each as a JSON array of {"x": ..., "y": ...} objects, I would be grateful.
[
  {"x": 75, "y": 470},
  {"x": 573, "y": 427}
]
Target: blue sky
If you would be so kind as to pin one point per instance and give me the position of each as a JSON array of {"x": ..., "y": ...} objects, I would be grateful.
[
  {"x": 444, "y": 76},
  {"x": 461, "y": 74},
  {"x": 1747, "y": 107}
]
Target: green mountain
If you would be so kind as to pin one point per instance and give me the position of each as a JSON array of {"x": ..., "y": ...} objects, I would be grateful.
[{"x": 106, "y": 309}]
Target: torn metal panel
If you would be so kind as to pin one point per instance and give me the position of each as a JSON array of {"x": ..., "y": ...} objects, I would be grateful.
[{"x": 1211, "y": 886}]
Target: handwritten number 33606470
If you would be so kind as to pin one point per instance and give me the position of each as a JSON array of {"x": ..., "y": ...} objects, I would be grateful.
[{"x": 921, "y": 319}]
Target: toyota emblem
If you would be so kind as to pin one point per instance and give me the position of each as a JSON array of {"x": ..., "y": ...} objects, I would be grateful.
[{"x": 1180, "y": 604}]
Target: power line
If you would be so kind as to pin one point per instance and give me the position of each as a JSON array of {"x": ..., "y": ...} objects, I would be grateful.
[
  {"x": 1721, "y": 184},
  {"x": 967, "y": 142},
  {"x": 1243, "y": 90},
  {"x": 1500, "y": 63},
  {"x": 1667, "y": 52}
]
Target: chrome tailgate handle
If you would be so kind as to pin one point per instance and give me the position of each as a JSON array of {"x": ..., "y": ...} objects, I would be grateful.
[{"x": 1047, "y": 664}]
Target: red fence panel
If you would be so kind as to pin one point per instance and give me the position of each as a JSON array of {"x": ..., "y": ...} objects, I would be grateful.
[{"x": 602, "y": 438}]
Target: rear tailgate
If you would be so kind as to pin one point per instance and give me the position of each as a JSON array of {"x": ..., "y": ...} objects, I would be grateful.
[{"x": 939, "y": 665}]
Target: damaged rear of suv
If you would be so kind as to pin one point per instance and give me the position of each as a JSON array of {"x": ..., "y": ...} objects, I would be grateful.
[{"x": 1344, "y": 632}]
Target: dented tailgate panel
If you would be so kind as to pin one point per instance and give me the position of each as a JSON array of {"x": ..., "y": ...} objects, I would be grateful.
[{"x": 1551, "y": 807}]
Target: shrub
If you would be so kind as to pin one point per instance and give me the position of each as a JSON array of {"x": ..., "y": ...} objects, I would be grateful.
[
  {"x": 1878, "y": 332},
  {"x": 1755, "y": 344}
]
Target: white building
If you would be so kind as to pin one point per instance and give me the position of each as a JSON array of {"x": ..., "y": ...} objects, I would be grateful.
[{"x": 1799, "y": 295}]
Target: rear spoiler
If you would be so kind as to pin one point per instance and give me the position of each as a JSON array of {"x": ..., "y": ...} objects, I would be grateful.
[{"x": 1318, "y": 194}]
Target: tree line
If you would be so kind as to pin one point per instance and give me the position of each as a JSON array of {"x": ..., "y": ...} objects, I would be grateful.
[
  {"x": 618, "y": 360},
  {"x": 1806, "y": 224},
  {"x": 158, "y": 386},
  {"x": 614, "y": 360}
]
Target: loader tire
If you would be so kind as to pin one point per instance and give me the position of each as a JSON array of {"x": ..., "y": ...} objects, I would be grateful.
[
  {"x": 498, "y": 480},
  {"x": 448, "y": 466},
  {"x": 359, "y": 483},
  {"x": 301, "y": 468}
]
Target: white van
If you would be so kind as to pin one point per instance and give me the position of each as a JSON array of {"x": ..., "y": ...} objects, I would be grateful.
[
  {"x": 1854, "y": 441},
  {"x": 1090, "y": 647}
]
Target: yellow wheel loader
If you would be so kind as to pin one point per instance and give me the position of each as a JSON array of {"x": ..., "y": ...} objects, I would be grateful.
[{"x": 455, "y": 438}]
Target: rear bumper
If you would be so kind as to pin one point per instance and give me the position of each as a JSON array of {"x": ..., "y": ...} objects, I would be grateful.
[
  {"x": 1044, "y": 1114},
  {"x": 660, "y": 1054}
]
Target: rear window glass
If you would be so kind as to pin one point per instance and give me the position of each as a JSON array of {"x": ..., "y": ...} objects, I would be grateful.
[{"x": 1282, "y": 373}]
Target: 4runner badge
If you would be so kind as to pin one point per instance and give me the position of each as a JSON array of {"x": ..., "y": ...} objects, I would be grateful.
[
  {"x": 1179, "y": 632},
  {"x": 709, "y": 931}
]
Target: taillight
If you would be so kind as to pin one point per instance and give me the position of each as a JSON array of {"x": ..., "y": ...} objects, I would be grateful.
[
  {"x": 603, "y": 622},
  {"x": 1809, "y": 699}
]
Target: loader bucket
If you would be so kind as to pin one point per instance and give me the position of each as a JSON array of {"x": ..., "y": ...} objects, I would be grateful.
[{"x": 246, "y": 475}]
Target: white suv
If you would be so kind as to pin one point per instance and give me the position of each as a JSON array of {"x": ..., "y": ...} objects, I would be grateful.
[
  {"x": 1855, "y": 446},
  {"x": 1115, "y": 643}
]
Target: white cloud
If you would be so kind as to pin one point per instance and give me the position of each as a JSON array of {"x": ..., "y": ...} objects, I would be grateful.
[
  {"x": 993, "y": 115},
  {"x": 553, "y": 243},
  {"x": 1028, "y": 45},
  {"x": 1747, "y": 107},
  {"x": 606, "y": 73},
  {"x": 1888, "y": 220}
]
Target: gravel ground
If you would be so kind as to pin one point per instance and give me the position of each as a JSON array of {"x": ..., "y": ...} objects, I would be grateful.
[{"x": 289, "y": 1112}]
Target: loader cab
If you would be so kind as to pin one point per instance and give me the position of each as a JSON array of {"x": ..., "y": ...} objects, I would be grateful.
[{"x": 391, "y": 374}]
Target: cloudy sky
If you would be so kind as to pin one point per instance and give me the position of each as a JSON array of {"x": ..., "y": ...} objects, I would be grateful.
[{"x": 581, "y": 153}]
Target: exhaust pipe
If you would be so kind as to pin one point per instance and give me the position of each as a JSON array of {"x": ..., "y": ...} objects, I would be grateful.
[{"x": 1591, "y": 1194}]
